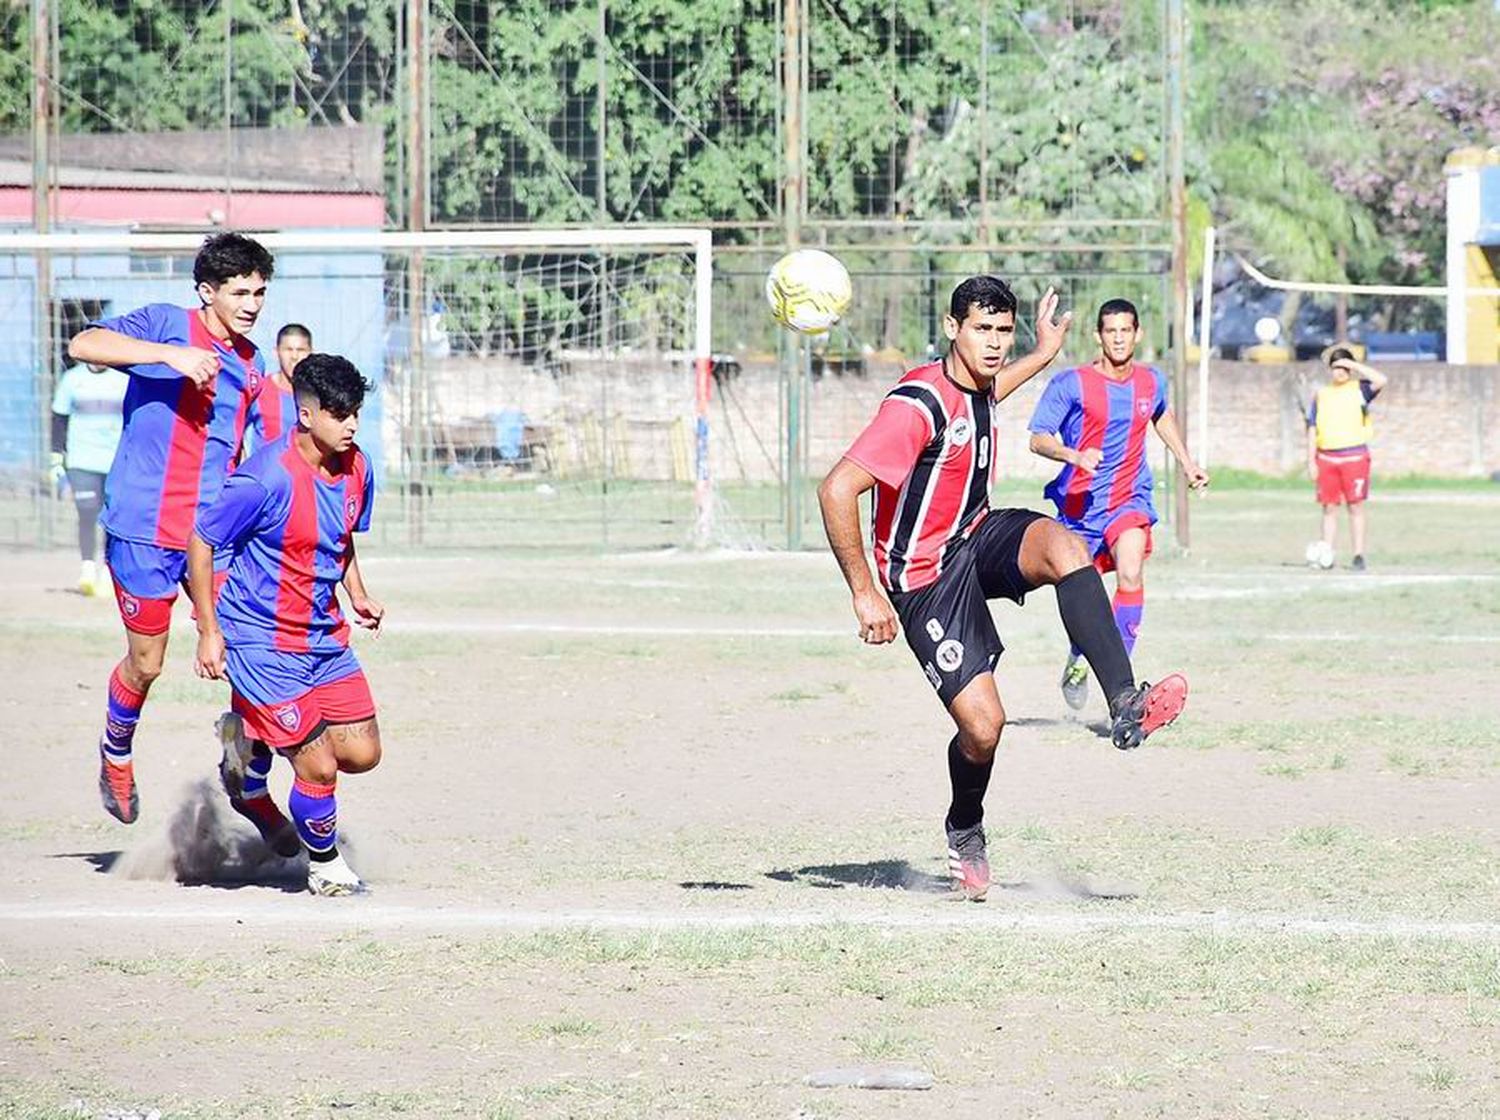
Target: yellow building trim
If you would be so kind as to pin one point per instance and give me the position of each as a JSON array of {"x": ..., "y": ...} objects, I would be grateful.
[{"x": 1481, "y": 265}]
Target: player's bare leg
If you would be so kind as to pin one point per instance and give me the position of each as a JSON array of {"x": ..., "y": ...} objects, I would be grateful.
[
  {"x": 128, "y": 685},
  {"x": 352, "y": 748},
  {"x": 1357, "y": 533},
  {"x": 1050, "y": 554},
  {"x": 971, "y": 758},
  {"x": 1330, "y": 525}
]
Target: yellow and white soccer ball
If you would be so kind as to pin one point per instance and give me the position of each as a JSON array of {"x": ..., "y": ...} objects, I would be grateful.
[
  {"x": 1320, "y": 555},
  {"x": 808, "y": 290}
]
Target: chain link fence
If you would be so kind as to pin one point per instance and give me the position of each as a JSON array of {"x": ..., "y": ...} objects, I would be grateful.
[{"x": 919, "y": 141}]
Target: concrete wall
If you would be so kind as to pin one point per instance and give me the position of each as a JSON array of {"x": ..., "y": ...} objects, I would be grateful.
[{"x": 1432, "y": 419}]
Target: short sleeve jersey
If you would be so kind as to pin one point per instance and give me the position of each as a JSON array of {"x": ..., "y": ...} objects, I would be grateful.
[
  {"x": 179, "y": 440},
  {"x": 930, "y": 448},
  {"x": 272, "y": 414},
  {"x": 93, "y": 401},
  {"x": 289, "y": 526},
  {"x": 1086, "y": 408}
]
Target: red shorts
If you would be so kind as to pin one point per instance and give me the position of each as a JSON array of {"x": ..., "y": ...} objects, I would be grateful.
[
  {"x": 1104, "y": 559},
  {"x": 1343, "y": 477},
  {"x": 287, "y": 699},
  {"x": 146, "y": 578}
]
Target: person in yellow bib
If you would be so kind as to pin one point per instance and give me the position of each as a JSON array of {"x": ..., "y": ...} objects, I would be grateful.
[{"x": 1338, "y": 445}]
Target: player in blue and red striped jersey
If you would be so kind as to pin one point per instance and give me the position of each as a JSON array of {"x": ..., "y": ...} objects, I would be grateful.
[
  {"x": 193, "y": 373},
  {"x": 941, "y": 551},
  {"x": 289, "y": 516},
  {"x": 1093, "y": 420},
  {"x": 273, "y": 412}
]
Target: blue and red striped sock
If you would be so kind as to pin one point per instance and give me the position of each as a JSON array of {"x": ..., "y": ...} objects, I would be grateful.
[
  {"x": 123, "y": 714},
  {"x": 1129, "y": 607},
  {"x": 315, "y": 812}
]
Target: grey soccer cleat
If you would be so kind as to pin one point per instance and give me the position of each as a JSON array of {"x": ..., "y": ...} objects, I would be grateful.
[{"x": 1075, "y": 683}]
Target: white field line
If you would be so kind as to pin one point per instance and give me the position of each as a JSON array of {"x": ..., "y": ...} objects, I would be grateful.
[{"x": 363, "y": 914}]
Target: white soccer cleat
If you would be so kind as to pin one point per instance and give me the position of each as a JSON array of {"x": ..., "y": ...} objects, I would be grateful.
[{"x": 334, "y": 879}]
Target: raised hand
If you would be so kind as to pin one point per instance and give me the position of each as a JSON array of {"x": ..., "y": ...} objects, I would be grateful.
[{"x": 1050, "y": 330}]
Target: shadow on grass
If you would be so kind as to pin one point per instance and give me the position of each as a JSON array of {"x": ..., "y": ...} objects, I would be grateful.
[
  {"x": 880, "y": 874},
  {"x": 898, "y": 874}
]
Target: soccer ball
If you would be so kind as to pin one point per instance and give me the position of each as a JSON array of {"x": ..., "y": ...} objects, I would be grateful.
[
  {"x": 808, "y": 291},
  {"x": 1320, "y": 555}
]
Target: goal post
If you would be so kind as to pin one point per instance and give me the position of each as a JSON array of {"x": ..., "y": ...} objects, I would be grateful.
[{"x": 530, "y": 378}]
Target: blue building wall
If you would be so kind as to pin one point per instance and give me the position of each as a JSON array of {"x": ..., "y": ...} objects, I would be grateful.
[{"x": 340, "y": 297}]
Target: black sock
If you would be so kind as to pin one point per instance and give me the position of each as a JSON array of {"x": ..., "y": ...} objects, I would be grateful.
[
  {"x": 1090, "y": 622},
  {"x": 970, "y": 780}
]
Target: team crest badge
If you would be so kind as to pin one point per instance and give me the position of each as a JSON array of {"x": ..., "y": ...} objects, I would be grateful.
[
  {"x": 130, "y": 605},
  {"x": 323, "y": 827},
  {"x": 950, "y": 655},
  {"x": 961, "y": 432},
  {"x": 351, "y": 507},
  {"x": 288, "y": 716},
  {"x": 1143, "y": 407}
]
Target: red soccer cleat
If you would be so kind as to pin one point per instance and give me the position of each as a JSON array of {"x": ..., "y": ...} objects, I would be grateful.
[
  {"x": 1147, "y": 709},
  {"x": 117, "y": 789}
]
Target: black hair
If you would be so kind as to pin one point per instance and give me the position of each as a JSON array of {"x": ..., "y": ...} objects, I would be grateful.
[
  {"x": 226, "y": 255},
  {"x": 1116, "y": 307},
  {"x": 1339, "y": 354},
  {"x": 990, "y": 294},
  {"x": 331, "y": 382},
  {"x": 294, "y": 328}
]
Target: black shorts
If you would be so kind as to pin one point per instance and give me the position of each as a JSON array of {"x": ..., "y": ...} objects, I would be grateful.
[{"x": 948, "y": 623}]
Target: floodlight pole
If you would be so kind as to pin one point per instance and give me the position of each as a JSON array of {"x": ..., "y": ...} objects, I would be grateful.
[{"x": 1177, "y": 189}]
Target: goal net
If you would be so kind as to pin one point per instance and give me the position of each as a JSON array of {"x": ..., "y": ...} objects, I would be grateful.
[{"x": 532, "y": 387}]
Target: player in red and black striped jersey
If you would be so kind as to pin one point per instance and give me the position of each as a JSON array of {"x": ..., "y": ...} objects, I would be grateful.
[{"x": 941, "y": 552}]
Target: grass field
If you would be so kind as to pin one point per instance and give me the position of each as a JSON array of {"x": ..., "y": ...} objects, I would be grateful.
[{"x": 655, "y": 836}]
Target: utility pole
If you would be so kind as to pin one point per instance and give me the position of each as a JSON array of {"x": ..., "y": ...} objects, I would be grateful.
[{"x": 1177, "y": 191}]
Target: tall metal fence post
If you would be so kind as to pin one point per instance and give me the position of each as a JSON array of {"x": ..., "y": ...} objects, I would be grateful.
[
  {"x": 1177, "y": 182},
  {"x": 41, "y": 220},
  {"x": 793, "y": 192}
]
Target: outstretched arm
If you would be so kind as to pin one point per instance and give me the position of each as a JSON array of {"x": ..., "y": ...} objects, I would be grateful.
[
  {"x": 838, "y": 497},
  {"x": 1171, "y": 435},
  {"x": 101, "y": 346},
  {"x": 1050, "y": 333}
]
